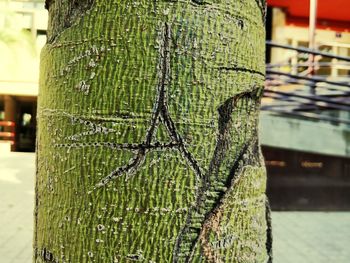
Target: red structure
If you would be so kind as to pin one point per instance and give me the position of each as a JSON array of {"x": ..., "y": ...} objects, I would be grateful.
[
  {"x": 5, "y": 135},
  {"x": 333, "y": 15}
]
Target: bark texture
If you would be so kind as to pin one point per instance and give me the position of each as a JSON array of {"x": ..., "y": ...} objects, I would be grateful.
[{"x": 147, "y": 135}]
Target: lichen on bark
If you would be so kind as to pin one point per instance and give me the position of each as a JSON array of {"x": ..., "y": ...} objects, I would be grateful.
[{"x": 147, "y": 135}]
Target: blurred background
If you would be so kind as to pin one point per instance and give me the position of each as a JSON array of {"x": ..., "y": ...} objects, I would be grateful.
[{"x": 304, "y": 126}]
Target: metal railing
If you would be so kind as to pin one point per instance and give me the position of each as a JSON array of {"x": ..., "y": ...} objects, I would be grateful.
[{"x": 307, "y": 96}]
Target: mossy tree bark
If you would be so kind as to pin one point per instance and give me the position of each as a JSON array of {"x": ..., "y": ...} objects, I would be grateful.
[{"x": 147, "y": 136}]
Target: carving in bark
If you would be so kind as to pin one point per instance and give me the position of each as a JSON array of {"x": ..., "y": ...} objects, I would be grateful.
[{"x": 147, "y": 137}]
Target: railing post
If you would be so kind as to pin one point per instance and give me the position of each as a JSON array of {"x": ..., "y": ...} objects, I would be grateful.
[{"x": 312, "y": 34}]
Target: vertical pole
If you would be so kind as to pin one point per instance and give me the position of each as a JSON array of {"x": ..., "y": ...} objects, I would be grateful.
[{"x": 312, "y": 33}]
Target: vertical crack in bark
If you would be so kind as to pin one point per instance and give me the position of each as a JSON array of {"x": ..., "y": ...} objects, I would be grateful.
[
  {"x": 212, "y": 220},
  {"x": 248, "y": 156},
  {"x": 160, "y": 112},
  {"x": 163, "y": 105},
  {"x": 262, "y": 6},
  {"x": 202, "y": 210},
  {"x": 269, "y": 238},
  {"x": 36, "y": 205}
]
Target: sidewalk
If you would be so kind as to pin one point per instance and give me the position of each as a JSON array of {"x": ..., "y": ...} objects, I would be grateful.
[
  {"x": 311, "y": 237},
  {"x": 299, "y": 237},
  {"x": 16, "y": 207}
]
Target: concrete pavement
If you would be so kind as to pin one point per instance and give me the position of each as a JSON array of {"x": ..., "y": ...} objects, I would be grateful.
[
  {"x": 311, "y": 237},
  {"x": 16, "y": 206}
]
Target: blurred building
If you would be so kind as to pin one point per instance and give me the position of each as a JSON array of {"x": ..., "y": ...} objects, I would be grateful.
[
  {"x": 22, "y": 34},
  {"x": 305, "y": 120},
  {"x": 288, "y": 23}
]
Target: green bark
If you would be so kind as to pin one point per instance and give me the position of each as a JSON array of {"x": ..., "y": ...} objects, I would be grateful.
[{"x": 147, "y": 135}]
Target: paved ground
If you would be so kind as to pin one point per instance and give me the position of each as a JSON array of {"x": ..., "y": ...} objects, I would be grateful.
[
  {"x": 16, "y": 207},
  {"x": 311, "y": 237},
  {"x": 299, "y": 237}
]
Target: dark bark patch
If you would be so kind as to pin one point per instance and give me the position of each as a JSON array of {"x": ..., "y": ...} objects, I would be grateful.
[
  {"x": 63, "y": 14},
  {"x": 48, "y": 3},
  {"x": 240, "y": 24},
  {"x": 46, "y": 255},
  {"x": 133, "y": 257},
  {"x": 199, "y": 2}
]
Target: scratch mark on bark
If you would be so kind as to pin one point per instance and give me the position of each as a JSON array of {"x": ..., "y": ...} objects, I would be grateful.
[
  {"x": 189, "y": 235},
  {"x": 240, "y": 69},
  {"x": 156, "y": 146}
]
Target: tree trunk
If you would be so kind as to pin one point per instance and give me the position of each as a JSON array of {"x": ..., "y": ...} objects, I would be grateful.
[{"x": 147, "y": 135}]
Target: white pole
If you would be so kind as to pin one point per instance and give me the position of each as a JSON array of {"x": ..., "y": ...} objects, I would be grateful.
[{"x": 312, "y": 32}]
